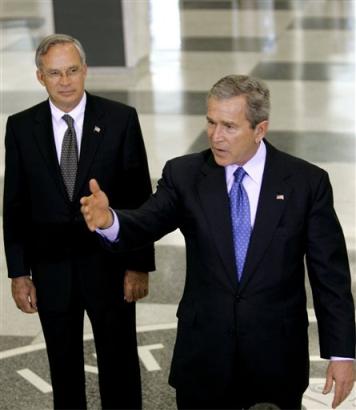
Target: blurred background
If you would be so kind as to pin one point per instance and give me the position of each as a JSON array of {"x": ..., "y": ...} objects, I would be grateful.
[{"x": 162, "y": 56}]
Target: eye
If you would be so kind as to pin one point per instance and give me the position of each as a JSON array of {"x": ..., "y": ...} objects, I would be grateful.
[
  {"x": 54, "y": 73},
  {"x": 73, "y": 70}
]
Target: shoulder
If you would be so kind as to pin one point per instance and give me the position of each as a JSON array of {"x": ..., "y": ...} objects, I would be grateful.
[
  {"x": 110, "y": 105},
  {"x": 187, "y": 168},
  {"x": 292, "y": 164},
  {"x": 190, "y": 161},
  {"x": 30, "y": 113}
]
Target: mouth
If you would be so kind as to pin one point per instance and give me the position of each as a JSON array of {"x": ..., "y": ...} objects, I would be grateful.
[
  {"x": 66, "y": 92},
  {"x": 219, "y": 151}
]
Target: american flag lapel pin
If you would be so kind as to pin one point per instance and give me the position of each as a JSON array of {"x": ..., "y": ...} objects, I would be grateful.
[
  {"x": 97, "y": 129},
  {"x": 280, "y": 197}
]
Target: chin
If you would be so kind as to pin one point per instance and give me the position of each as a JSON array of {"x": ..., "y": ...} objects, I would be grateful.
[{"x": 222, "y": 162}]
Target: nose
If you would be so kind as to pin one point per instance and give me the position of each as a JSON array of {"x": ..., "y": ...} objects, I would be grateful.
[{"x": 65, "y": 79}]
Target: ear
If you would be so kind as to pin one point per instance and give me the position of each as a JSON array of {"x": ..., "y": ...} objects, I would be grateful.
[
  {"x": 85, "y": 69},
  {"x": 40, "y": 77},
  {"x": 261, "y": 131}
]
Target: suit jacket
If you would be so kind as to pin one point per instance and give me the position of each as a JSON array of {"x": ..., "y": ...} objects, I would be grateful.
[
  {"x": 44, "y": 233},
  {"x": 258, "y": 326}
]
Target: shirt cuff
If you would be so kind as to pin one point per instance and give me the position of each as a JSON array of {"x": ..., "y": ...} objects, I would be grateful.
[
  {"x": 111, "y": 234},
  {"x": 336, "y": 358}
]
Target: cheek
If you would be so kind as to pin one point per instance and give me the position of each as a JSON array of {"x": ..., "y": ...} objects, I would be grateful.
[
  {"x": 209, "y": 133},
  {"x": 50, "y": 89},
  {"x": 234, "y": 142},
  {"x": 82, "y": 82}
]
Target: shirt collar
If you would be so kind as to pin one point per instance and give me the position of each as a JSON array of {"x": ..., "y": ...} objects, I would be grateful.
[
  {"x": 254, "y": 167},
  {"x": 76, "y": 113}
]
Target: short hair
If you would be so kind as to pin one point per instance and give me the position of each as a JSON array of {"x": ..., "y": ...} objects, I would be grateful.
[
  {"x": 54, "y": 39},
  {"x": 256, "y": 92}
]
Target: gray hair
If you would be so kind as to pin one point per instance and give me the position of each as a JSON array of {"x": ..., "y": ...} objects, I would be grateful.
[
  {"x": 255, "y": 91},
  {"x": 54, "y": 39}
]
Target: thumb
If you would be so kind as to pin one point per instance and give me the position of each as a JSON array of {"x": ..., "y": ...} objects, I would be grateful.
[
  {"x": 328, "y": 383},
  {"x": 33, "y": 297},
  {"x": 94, "y": 186}
]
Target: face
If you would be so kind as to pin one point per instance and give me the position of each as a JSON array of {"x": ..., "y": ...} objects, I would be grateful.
[
  {"x": 63, "y": 75},
  {"x": 231, "y": 138}
]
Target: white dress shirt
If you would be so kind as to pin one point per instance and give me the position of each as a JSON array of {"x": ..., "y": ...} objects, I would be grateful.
[
  {"x": 60, "y": 126},
  {"x": 252, "y": 181}
]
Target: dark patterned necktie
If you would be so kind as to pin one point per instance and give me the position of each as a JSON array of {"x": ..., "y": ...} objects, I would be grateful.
[
  {"x": 240, "y": 217},
  {"x": 69, "y": 156}
]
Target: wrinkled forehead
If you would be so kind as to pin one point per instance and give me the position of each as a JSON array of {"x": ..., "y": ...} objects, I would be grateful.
[{"x": 61, "y": 55}]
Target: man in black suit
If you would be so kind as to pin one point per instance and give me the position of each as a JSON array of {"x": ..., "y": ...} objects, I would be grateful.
[
  {"x": 242, "y": 335},
  {"x": 57, "y": 266}
]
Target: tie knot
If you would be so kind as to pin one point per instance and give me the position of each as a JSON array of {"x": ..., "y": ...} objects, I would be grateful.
[
  {"x": 239, "y": 175},
  {"x": 69, "y": 120}
]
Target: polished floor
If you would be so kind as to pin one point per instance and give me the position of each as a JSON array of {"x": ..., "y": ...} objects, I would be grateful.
[{"x": 303, "y": 49}]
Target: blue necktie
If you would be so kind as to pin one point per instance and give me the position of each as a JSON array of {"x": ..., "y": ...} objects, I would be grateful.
[{"x": 240, "y": 216}]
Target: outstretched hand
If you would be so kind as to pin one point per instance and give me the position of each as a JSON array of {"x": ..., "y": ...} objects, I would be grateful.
[{"x": 95, "y": 208}]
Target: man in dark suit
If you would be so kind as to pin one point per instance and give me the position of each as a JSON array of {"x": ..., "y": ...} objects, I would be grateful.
[
  {"x": 242, "y": 334},
  {"x": 56, "y": 265}
]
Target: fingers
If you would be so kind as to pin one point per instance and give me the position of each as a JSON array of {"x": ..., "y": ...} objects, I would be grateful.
[
  {"x": 340, "y": 372},
  {"x": 84, "y": 209},
  {"x": 24, "y": 294},
  {"x": 135, "y": 285},
  {"x": 33, "y": 298},
  {"x": 97, "y": 218},
  {"x": 24, "y": 304},
  {"x": 328, "y": 384},
  {"x": 95, "y": 208},
  {"x": 133, "y": 293},
  {"x": 337, "y": 399},
  {"x": 341, "y": 392},
  {"x": 88, "y": 217},
  {"x": 26, "y": 307},
  {"x": 87, "y": 212}
]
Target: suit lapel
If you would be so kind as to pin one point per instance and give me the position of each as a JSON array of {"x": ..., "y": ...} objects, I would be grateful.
[
  {"x": 93, "y": 134},
  {"x": 274, "y": 195},
  {"x": 215, "y": 203},
  {"x": 43, "y": 133}
]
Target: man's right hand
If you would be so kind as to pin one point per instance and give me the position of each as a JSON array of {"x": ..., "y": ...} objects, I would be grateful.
[
  {"x": 95, "y": 208},
  {"x": 24, "y": 294}
]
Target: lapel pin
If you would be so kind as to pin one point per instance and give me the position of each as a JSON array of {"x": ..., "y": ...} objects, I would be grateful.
[
  {"x": 280, "y": 197},
  {"x": 96, "y": 129}
]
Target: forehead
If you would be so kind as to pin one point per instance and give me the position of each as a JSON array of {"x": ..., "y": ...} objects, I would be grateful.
[
  {"x": 227, "y": 108},
  {"x": 62, "y": 54}
]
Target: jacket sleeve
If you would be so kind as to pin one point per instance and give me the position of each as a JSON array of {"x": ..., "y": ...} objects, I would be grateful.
[
  {"x": 15, "y": 208},
  {"x": 158, "y": 216},
  {"x": 329, "y": 275}
]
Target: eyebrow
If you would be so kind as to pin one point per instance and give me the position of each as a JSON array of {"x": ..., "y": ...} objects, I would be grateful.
[
  {"x": 229, "y": 123},
  {"x": 223, "y": 122},
  {"x": 63, "y": 68}
]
